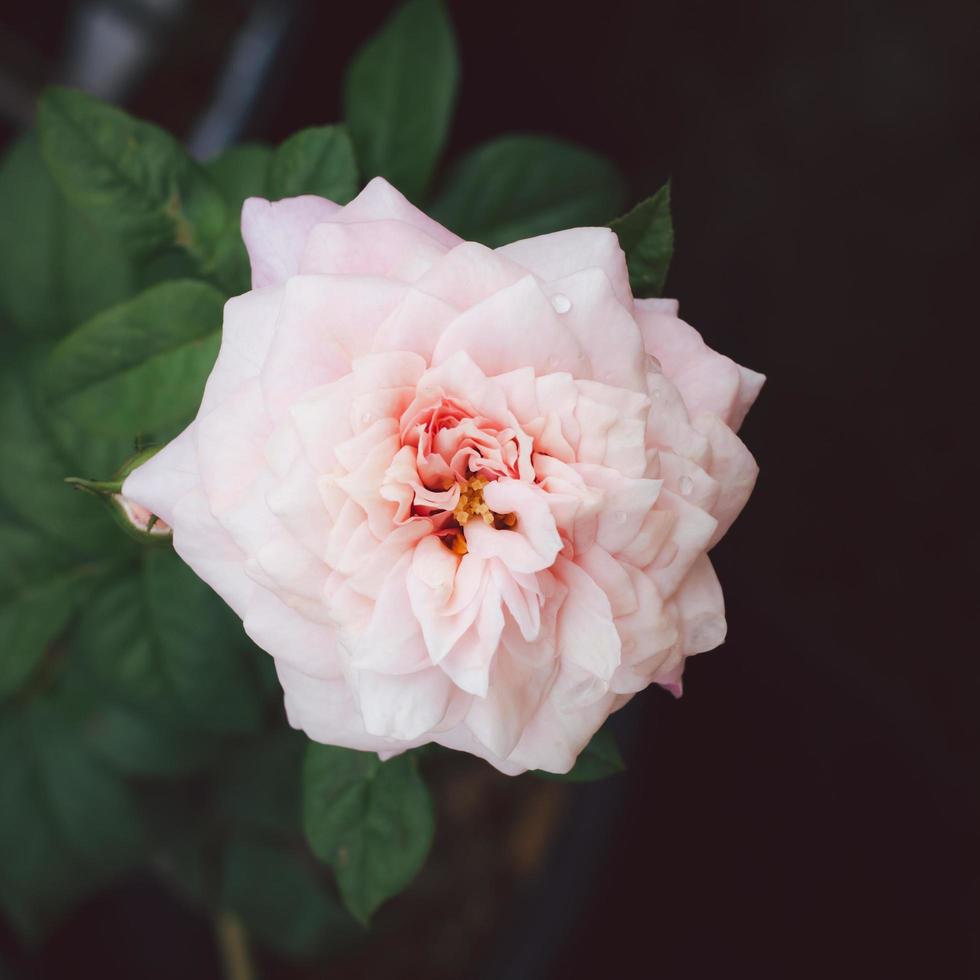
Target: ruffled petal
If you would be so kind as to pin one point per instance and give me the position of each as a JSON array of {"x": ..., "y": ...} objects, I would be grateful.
[{"x": 515, "y": 327}]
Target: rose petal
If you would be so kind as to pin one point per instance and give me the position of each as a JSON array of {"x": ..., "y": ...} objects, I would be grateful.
[{"x": 275, "y": 234}]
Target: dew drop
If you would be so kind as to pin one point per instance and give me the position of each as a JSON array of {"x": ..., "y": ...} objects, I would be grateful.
[
  {"x": 620, "y": 516},
  {"x": 686, "y": 485},
  {"x": 367, "y": 418},
  {"x": 561, "y": 303}
]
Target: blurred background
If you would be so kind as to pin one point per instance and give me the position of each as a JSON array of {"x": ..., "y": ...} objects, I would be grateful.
[{"x": 810, "y": 807}]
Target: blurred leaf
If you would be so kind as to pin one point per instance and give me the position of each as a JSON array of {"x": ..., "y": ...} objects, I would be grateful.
[
  {"x": 33, "y": 465},
  {"x": 372, "y": 821},
  {"x": 67, "y": 824},
  {"x": 241, "y": 172},
  {"x": 646, "y": 235},
  {"x": 259, "y": 788},
  {"x": 599, "y": 759},
  {"x": 162, "y": 642},
  {"x": 518, "y": 186},
  {"x": 319, "y": 160},
  {"x": 282, "y": 898},
  {"x": 40, "y": 588},
  {"x": 399, "y": 95},
  {"x": 185, "y": 862},
  {"x": 140, "y": 366},
  {"x": 131, "y": 742},
  {"x": 140, "y": 746},
  {"x": 56, "y": 269},
  {"x": 131, "y": 176}
]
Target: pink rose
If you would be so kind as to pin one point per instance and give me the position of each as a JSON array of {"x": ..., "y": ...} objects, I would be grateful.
[{"x": 460, "y": 495}]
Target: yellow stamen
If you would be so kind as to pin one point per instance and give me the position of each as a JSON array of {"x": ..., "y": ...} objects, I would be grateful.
[{"x": 471, "y": 504}]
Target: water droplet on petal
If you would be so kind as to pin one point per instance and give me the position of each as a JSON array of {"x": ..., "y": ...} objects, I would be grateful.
[
  {"x": 686, "y": 485},
  {"x": 367, "y": 418},
  {"x": 657, "y": 393},
  {"x": 561, "y": 303},
  {"x": 620, "y": 517}
]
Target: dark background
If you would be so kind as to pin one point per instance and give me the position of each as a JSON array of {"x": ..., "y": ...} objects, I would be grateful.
[{"x": 810, "y": 808}]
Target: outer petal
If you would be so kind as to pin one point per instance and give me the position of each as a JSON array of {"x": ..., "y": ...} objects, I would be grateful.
[
  {"x": 246, "y": 335},
  {"x": 469, "y": 274},
  {"x": 562, "y": 253},
  {"x": 380, "y": 201},
  {"x": 515, "y": 693},
  {"x": 393, "y": 249},
  {"x": 701, "y": 608},
  {"x": 205, "y": 545},
  {"x": 606, "y": 332},
  {"x": 733, "y": 467},
  {"x": 404, "y": 707},
  {"x": 554, "y": 738},
  {"x": 708, "y": 381},
  {"x": 327, "y": 711},
  {"x": 165, "y": 477},
  {"x": 291, "y": 638},
  {"x": 275, "y": 234}
]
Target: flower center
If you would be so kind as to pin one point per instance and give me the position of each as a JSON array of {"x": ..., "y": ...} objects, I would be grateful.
[{"x": 472, "y": 505}]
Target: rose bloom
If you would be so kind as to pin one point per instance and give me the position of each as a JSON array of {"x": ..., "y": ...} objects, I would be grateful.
[{"x": 461, "y": 495}]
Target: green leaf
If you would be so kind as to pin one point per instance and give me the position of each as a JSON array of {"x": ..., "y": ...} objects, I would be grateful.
[
  {"x": 599, "y": 759},
  {"x": 518, "y": 186},
  {"x": 399, "y": 94},
  {"x": 56, "y": 269},
  {"x": 33, "y": 465},
  {"x": 141, "y": 366},
  {"x": 131, "y": 176},
  {"x": 163, "y": 643},
  {"x": 646, "y": 235},
  {"x": 319, "y": 160},
  {"x": 241, "y": 172},
  {"x": 128, "y": 741},
  {"x": 372, "y": 821},
  {"x": 40, "y": 588},
  {"x": 282, "y": 898},
  {"x": 67, "y": 825}
]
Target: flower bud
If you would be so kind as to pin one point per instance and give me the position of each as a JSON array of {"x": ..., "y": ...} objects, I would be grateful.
[{"x": 133, "y": 518}]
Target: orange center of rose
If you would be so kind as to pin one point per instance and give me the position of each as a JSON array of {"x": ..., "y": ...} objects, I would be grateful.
[{"x": 472, "y": 505}]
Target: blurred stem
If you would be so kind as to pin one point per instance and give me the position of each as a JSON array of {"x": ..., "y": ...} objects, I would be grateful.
[{"x": 232, "y": 942}]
